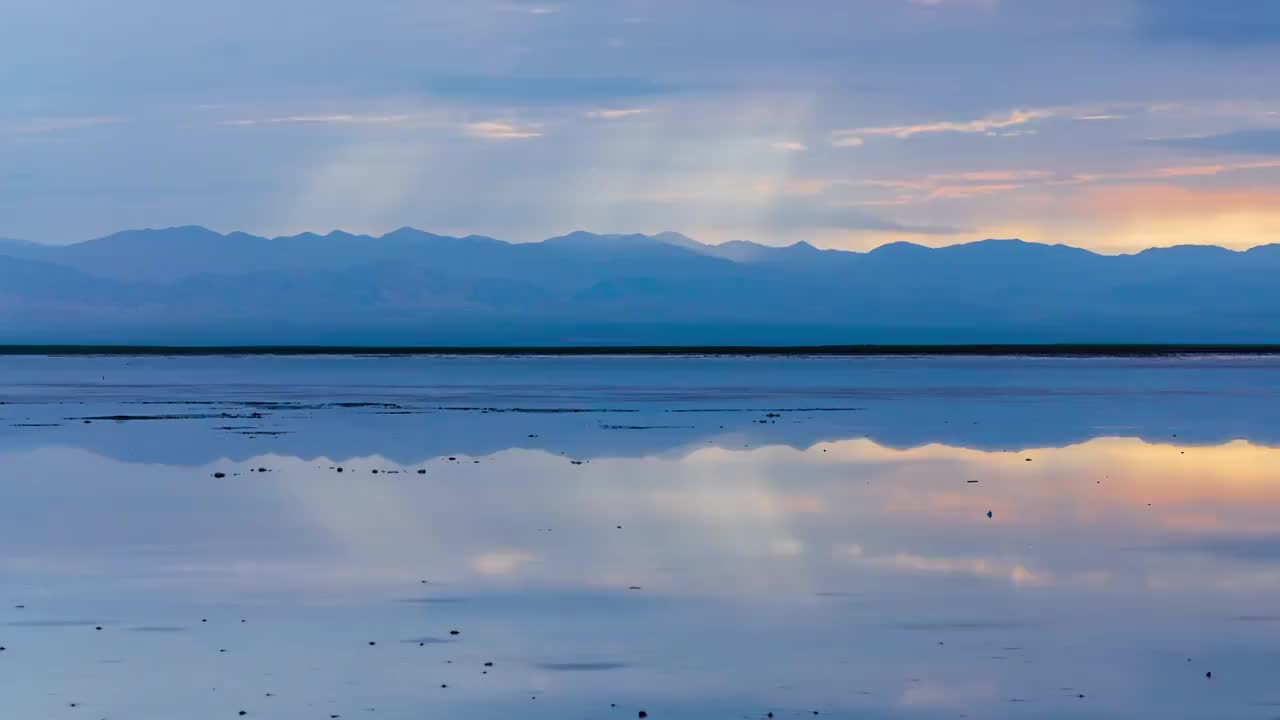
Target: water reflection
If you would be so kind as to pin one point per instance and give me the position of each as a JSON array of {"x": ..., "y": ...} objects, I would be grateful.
[
  {"x": 751, "y": 557},
  {"x": 847, "y": 576}
]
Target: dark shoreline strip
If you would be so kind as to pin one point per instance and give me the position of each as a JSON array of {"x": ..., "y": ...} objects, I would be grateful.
[{"x": 1038, "y": 350}]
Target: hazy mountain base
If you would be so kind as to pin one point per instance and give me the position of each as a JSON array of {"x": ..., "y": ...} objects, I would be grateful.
[{"x": 194, "y": 286}]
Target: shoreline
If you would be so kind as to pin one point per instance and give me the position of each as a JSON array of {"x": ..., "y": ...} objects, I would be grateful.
[{"x": 1065, "y": 350}]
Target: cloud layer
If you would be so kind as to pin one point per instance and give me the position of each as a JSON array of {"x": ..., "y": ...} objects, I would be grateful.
[{"x": 938, "y": 121}]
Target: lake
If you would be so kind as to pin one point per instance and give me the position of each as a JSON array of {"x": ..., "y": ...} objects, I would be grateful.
[{"x": 588, "y": 537}]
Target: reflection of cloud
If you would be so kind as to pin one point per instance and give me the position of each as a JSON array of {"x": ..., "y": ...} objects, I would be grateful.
[
  {"x": 786, "y": 547},
  {"x": 720, "y": 521},
  {"x": 500, "y": 563},
  {"x": 934, "y": 695},
  {"x": 1014, "y": 572}
]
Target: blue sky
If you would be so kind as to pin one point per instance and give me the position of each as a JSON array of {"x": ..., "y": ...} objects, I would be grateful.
[{"x": 1109, "y": 124}]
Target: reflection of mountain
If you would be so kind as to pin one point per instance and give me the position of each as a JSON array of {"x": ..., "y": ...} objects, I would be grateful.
[
  {"x": 192, "y": 285},
  {"x": 412, "y": 408}
]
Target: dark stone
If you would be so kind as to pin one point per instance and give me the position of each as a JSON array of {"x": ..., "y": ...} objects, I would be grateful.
[{"x": 219, "y": 475}]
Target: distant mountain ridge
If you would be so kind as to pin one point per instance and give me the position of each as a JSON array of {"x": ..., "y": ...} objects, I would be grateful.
[{"x": 193, "y": 285}]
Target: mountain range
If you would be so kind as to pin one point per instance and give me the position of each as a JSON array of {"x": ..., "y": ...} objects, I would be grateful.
[{"x": 191, "y": 285}]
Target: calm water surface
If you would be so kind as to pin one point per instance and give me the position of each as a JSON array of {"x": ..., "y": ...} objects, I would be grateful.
[{"x": 695, "y": 538}]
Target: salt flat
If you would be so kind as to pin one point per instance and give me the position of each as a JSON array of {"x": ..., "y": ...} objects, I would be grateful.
[{"x": 690, "y": 537}]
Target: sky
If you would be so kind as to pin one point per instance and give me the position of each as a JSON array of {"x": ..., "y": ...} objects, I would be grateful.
[{"x": 1113, "y": 125}]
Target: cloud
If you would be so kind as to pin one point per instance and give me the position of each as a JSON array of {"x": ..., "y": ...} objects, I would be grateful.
[
  {"x": 848, "y": 141},
  {"x": 1171, "y": 173},
  {"x": 1094, "y": 118},
  {"x": 615, "y": 113},
  {"x": 494, "y": 130},
  {"x": 540, "y": 10},
  {"x": 790, "y": 146},
  {"x": 959, "y": 191},
  {"x": 982, "y": 125},
  {"x": 1261, "y": 141},
  {"x": 955, "y": 185}
]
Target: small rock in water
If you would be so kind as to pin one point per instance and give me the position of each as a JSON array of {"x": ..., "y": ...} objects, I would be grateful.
[
  {"x": 454, "y": 632},
  {"x": 1209, "y": 675},
  {"x": 988, "y": 514},
  {"x": 644, "y": 714},
  {"x": 422, "y": 472},
  {"x": 219, "y": 475}
]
